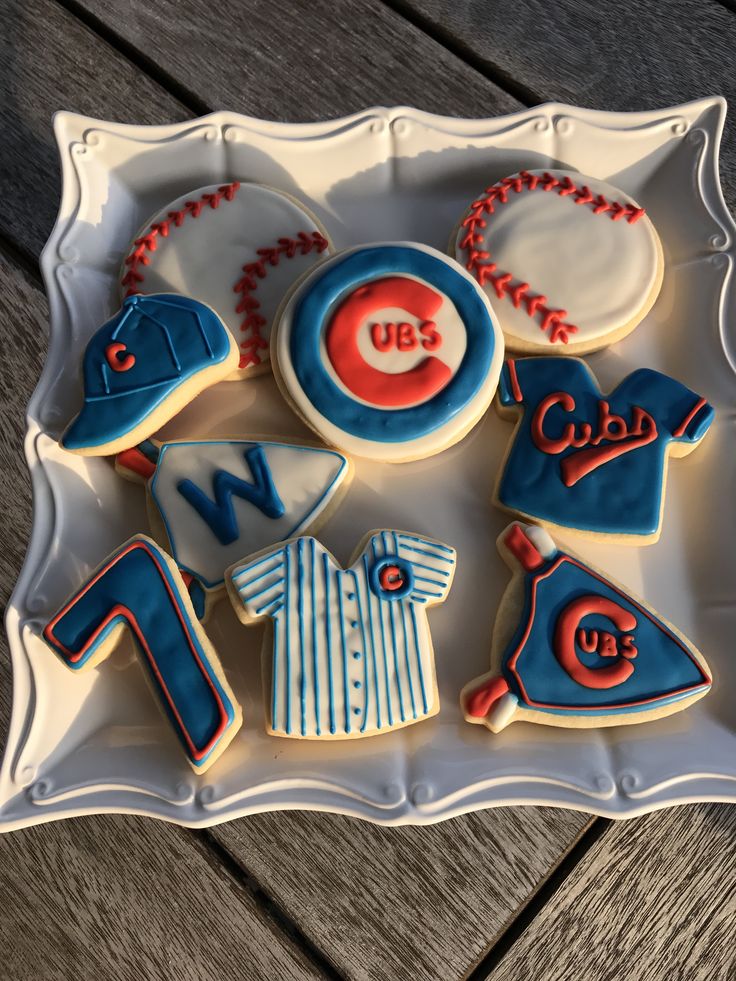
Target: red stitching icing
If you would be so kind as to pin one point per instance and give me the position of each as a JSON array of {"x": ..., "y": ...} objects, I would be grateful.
[
  {"x": 485, "y": 271},
  {"x": 139, "y": 257},
  {"x": 303, "y": 244}
]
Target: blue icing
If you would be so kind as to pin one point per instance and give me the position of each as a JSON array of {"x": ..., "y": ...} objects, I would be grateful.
[
  {"x": 663, "y": 669},
  {"x": 220, "y": 513},
  {"x": 136, "y": 577},
  {"x": 622, "y": 495},
  {"x": 164, "y": 340},
  {"x": 311, "y": 314}
]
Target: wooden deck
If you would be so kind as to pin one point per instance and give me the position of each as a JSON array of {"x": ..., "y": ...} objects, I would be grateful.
[{"x": 505, "y": 894}]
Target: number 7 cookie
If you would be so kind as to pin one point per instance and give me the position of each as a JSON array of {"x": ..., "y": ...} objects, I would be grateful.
[{"x": 572, "y": 648}]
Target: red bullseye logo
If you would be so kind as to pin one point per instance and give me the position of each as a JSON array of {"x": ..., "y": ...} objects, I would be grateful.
[
  {"x": 569, "y": 635},
  {"x": 382, "y": 388}
]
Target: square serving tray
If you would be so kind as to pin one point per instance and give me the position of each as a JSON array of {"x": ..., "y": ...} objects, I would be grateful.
[{"x": 98, "y": 742}]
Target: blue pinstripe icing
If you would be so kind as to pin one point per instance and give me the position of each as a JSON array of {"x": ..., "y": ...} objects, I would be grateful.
[
  {"x": 344, "y": 652},
  {"x": 293, "y": 580},
  {"x": 315, "y": 666},
  {"x": 406, "y": 644},
  {"x": 302, "y": 664},
  {"x": 419, "y": 656},
  {"x": 393, "y": 641},
  {"x": 287, "y": 645},
  {"x": 423, "y": 541},
  {"x": 328, "y": 624},
  {"x": 389, "y": 707},
  {"x": 366, "y": 700},
  {"x": 432, "y": 555}
]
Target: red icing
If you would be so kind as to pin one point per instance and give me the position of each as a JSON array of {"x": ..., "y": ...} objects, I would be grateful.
[
  {"x": 432, "y": 339},
  {"x": 112, "y": 354},
  {"x": 620, "y": 437},
  {"x": 480, "y": 702},
  {"x": 587, "y": 640},
  {"x": 120, "y": 610},
  {"x": 520, "y": 293},
  {"x": 564, "y": 642},
  {"x": 136, "y": 462},
  {"x": 522, "y": 548},
  {"x": 419, "y": 383},
  {"x": 680, "y": 431},
  {"x": 532, "y": 613},
  {"x": 514, "y": 379},
  {"x": 403, "y": 336},
  {"x": 390, "y": 578},
  {"x": 249, "y": 305}
]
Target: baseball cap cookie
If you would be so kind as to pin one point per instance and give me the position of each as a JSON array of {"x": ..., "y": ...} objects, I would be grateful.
[
  {"x": 388, "y": 351},
  {"x": 237, "y": 247},
  {"x": 570, "y": 263},
  {"x": 143, "y": 366}
]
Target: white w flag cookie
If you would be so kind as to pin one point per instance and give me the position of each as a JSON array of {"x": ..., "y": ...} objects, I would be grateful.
[{"x": 351, "y": 649}]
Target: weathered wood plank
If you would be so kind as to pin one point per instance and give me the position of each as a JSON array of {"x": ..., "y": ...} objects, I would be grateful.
[
  {"x": 303, "y": 61},
  {"x": 110, "y": 897},
  {"x": 49, "y": 61},
  {"x": 403, "y": 903},
  {"x": 623, "y": 56},
  {"x": 653, "y": 900}
]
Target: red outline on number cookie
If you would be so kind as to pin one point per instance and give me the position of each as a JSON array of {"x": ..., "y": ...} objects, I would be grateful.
[
  {"x": 304, "y": 243},
  {"x": 485, "y": 271}
]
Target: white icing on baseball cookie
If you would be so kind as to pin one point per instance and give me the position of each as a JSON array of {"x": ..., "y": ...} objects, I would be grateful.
[
  {"x": 236, "y": 247},
  {"x": 569, "y": 262},
  {"x": 389, "y": 351}
]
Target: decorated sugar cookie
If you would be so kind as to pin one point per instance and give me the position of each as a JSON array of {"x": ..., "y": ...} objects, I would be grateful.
[
  {"x": 591, "y": 462},
  {"x": 350, "y": 649},
  {"x": 143, "y": 366},
  {"x": 569, "y": 262},
  {"x": 238, "y": 248},
  {"x": 388, "y": 351},
  {"x": 212, "y": 501},
  {"x": 572, "y": 648},
  {"x": 138, "y": 588}
]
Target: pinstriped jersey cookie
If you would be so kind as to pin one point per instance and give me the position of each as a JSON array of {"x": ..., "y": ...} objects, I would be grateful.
[
  {"x": 350, "y": 649},
  {"x": 236, "y": 247},
  {"x": 569, "y": 262}
]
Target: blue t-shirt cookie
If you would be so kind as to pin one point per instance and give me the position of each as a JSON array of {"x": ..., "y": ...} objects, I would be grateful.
[{"x": 592, "y": 462}]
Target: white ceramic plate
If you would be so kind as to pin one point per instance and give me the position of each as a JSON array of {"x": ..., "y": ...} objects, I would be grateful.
[{"x": 97, "y": 742}]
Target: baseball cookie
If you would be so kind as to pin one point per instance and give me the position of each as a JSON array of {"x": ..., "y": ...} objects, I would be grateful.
[
  {"x": 142, "y": 367},
  {"x": 388, "y": 351},
  {"x": 138, "y": 588},
  {"x": 236, "y": 247},
  {"x": 569, "y": 262},
  {"x": 590, "y": 462},
  {"x": 212, "y": 501},
  {"x": 572, "y": 648},
  {"x": 349, "y": 652}
]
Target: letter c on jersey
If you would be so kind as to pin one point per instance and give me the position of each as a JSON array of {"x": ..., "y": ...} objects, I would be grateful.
[
  {"x": 564, "y": 642},
  {"x": 394, "y": 390}
]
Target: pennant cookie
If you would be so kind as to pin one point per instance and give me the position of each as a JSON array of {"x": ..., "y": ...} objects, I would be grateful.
[
  {"x": 571, "y": 648},
  {"x": 212, "y": 501}
]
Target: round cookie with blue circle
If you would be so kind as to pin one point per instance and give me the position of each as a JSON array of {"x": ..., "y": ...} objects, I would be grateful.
[{"x": 389, "y": 351}]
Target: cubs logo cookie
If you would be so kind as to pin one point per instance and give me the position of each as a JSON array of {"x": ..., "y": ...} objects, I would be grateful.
[
  {"x": 143, "y": 366},
  {"x": 236, "y": 247},
  {"x": 212, "y": 501},
  {"x": 388, "y": 351},
  {"x": 569, "y": 262},
  {"x": 350, "y": 649},
  {"x": 591, "y": 462},
  {"x": 138, "y": 588},
  {"x": 572, "y": 648}
]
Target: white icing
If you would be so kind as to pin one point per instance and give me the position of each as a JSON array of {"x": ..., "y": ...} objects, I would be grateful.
[
  {"x": 309, "y": 628},
  {"x": 502, "y": 713},
  {"x": 452, "y": 352},
  {"x": 204, "y": 256},
  {"x": 541, "y": 540},
  {"x": 600, "y": 271},
  {"x": 305, "y": 478}
]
